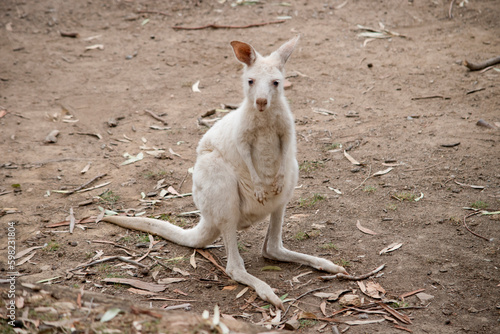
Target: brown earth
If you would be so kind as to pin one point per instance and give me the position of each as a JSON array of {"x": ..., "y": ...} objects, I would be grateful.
[{"x": 415, "y": 107}]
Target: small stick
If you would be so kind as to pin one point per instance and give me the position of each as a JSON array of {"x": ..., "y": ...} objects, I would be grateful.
[
  {"x": 430, "y": 97},
  {"x": 69, "y": 34},
  {"x": 220, "y": 26},
  {"x": 155, "y": 116},
  {"x": 400, "y": 316},
  {"x": 483, "y": 65},
  {"x": 86, "y": 184},
  {"x": 353, "y": 278},
  {"x": 450, "y": 10},
  {"x": 468, "y": 229},
  {"x": 369, "y": 175},
  {"x": 121, "y": 258},
  {"x": 474, "y": 91}
]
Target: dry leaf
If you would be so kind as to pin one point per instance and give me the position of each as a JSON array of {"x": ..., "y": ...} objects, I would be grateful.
[
  {"x": 86, "y": 168},
  {"x": 331, "y": 296},
  {"x": 173, "y": 153},
  {"x": 307, "y": 315},
  {"x": 141, "y": 292},
  {"x": 392, "y": 247},
  {"x": 195, "y": 87},
  {"x": 72, "y": 220},
  {"x": 192, "y": 259},
  {"x": 382, "y": 172},
  {"x": 27, "y": 251},
  {"x": 132, "y": 159},
  {"x": 363, "y": 322},
  {"x": 26, "y": 259},
  {"x": 374, "y": 289},
  {"x": 322, "y": 307},
  {"x": 136, "y": 283},
  {"x": 350, "y": 300},
  {"x": 95, "y": 47},
  {"x": 180, "y": 271},
  {"x": 172, "y": 191},
  {"x": 351, "y": 159},
  {"x": 170, "y": 280},
  {"x": 110, "y": 314},
  {"x": 230, "y": 287},
  {"x": 361, "y": 286},
  {"x": 242, "y": 292},
  {"x": 364, "y": 229}
]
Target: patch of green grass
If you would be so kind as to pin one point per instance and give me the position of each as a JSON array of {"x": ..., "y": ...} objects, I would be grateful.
[
  {"x": 309, "y": 166},
  {"x": 329, "y": 245},
  {"x": 399, "y": 304},
  {"x": 52, "y": 246},
  {"x": 109, "y": 197},
  {"x": 391, "y": 206},
  {"x": 333, "y": 146},
  {"x": 156, "y": 175},
  {"x": 114, "y": 275},
  {"x": 103, "y": 267},
  {"x": 301, "y": 236},
  {"x": 480, "y": 205},
  {"x": 242, "y": 248},
  {"x": 370, "y": 189},
  {"x": 344, "y": 263},
  {"x": 304, "y": 323},
  {"x": 406, "y": 196},
  {"x": 143, "y": 237},
  {"x": 311, "y": 201}
]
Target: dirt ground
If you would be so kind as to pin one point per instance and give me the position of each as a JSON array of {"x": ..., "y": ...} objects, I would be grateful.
[{"x": 405, "y": 102}]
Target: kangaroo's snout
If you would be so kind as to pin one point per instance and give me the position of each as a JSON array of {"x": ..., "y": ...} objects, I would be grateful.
[{"x": 261, "y": 104}]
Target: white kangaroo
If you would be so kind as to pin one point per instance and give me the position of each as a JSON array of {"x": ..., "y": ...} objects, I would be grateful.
[{"x": 245, "y": 171}]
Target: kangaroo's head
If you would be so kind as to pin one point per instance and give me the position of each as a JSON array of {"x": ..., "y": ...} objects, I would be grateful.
[{"x": 263, "y": 77}]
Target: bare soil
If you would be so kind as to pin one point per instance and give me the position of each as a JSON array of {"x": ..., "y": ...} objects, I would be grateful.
[{"x": 405, "y": 102}]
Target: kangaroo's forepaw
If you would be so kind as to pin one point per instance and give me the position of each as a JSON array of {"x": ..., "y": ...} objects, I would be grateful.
[
  {"x": 278, "y": 184},
  {"x": 260, "y": 194}
]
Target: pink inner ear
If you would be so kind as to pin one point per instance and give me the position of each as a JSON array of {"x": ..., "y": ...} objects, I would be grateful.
[{"x": 243, "y": 52}]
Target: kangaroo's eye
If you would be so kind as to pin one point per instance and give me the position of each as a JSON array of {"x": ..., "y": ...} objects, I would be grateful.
[
  {"x": 250, "y": 82},
  {"x": 276, "y": 83}
]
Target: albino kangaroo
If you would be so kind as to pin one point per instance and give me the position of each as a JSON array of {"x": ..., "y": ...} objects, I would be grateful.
[{"x": 245, "y": 171}]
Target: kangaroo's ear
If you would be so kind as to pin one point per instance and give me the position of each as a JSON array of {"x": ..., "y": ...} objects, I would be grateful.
[
  {"x": 286, "y": 49},
  {"x": 244, "y": 52}
]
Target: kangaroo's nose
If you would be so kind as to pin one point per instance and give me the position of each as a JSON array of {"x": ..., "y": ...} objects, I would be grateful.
[{"x": 261, "y": 103}]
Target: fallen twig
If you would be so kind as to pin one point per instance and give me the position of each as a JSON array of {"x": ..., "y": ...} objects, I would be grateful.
[
  {"x": 221, "y": 26},
  {"x": 353, "y": 278},
  {"x": 474, "y": 91},
  {"x": 483, "y": 65},
  {"x": 430, "y": 97},
  {"x": 210, "y": 258},
  {"x": 468, "y": 229},
  {"x": 369, "y": 175},
  {"x": 450, "y": 10},
  {"x": 400, "y": 316},
  {"x": 121, "y": 258},
  {"x": 155, "y": 116},
  {"x": 85, "y": 184}
]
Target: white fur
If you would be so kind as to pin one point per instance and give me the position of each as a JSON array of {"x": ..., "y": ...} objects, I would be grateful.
[{"x": 245, "y": 171}]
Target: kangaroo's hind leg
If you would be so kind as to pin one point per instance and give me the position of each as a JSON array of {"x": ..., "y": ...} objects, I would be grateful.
[{"x": 273, "y": 247}]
